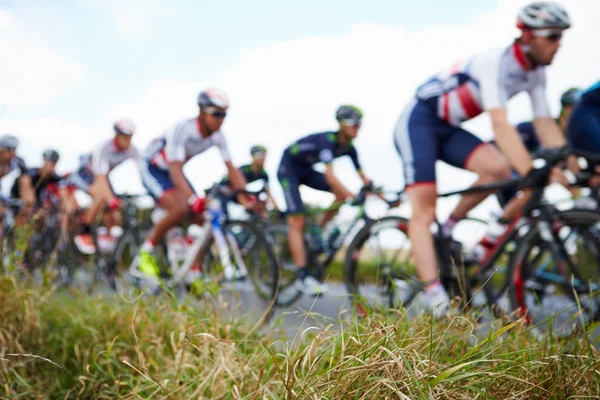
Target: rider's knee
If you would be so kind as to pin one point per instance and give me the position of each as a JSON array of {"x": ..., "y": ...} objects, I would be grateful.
[
  {"x": 178, "y": 211},
  {"x": 296, "y": 222},
  {"x": 424, "y": 215}
]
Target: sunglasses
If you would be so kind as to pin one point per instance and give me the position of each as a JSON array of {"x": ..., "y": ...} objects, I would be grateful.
[
  {"x": 215, "y": 112},
  {"x": 350, "y": 122},
  {"x": 550, "y": 34}
]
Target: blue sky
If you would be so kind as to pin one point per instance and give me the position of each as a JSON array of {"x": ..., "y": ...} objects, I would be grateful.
[{"x": 193, "y": 39}]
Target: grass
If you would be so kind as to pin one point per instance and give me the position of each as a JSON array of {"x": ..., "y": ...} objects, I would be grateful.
[{"x": 57, "y": 345}]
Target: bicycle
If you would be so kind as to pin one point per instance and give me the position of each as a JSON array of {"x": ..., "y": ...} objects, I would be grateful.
[
  {"x": 320, "y": 252},
  {"x": 221, "y": 245},
  {"x": 397, "y": 280}
]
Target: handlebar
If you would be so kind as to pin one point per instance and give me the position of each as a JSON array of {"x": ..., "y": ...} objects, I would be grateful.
[
  {"x": 222, "y": 190},
  {"x": 537, "y": 178}
]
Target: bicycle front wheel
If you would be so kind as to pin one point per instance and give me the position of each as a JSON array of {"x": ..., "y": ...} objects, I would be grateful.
[{"x": 555, "y": 273}]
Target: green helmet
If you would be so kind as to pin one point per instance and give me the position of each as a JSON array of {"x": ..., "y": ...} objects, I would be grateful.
[
  {"x": 570, "y": 97},
  {"x": 348, "y": 112}
]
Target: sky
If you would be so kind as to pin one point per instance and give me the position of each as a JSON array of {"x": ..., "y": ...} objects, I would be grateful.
[{"x": 68, "y": 69}]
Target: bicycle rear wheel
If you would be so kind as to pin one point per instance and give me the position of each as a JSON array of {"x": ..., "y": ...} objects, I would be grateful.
[{"x": 559, "y": 283}]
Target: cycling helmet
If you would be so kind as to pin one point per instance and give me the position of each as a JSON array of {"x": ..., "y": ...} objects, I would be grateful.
[
  {"x": 213, "y": 97},
  {"x": 50, "y": 155},
  {"x": 257, "y": 149},
  {"x": 543, "y": 15},
  {"x": 124, "y": 127},
  {"x": 570, "y": 97},
  {"x": 349, "y": 112},
  {"x": 9, "y": 142}
]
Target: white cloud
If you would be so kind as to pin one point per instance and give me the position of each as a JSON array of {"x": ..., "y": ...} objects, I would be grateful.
[
  {"x": 285, "y": 90},
  {"x": 31, "y": 73},
  {"x": 133, "y": 17}
]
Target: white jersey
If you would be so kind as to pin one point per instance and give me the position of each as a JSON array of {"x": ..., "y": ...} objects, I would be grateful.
[
  {"x": 107, "y": 156},
  {"x": 485, "y": 82},
  {"x": 182, "y": 142}
]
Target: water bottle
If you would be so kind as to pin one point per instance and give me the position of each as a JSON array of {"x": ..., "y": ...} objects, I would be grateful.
[{"x": 335, "y": 233}]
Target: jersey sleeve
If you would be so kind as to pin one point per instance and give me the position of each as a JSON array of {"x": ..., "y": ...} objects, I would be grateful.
[
  {"x": 354, "y": 157},
  {"x": 488, "y": 70},
  {"x": 220, "y": 142},
  {"x": 22, "y": 167},
  {"x": 175, "y": 143},
  {"x": 537, "y": 93},
  {"x": 100, "y": 159}
]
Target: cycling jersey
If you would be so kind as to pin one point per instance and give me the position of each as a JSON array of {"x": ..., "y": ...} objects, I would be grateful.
[
  {"x": 182, "y": 142},
  {"x": 320, "y": 147},
  {"x": 106, "y": 157},
  {"x": 250, "y": 175},
  {"x": 583, "y": 129},
  {"x": 428, "y": 128},
  {"x": 179, "y": 143},
  {"x": 16, "y": 163},
  {"x": 296, "y": 166},
  {"x": 485, "y": 82},
  {"x": 45, "y": 188}
]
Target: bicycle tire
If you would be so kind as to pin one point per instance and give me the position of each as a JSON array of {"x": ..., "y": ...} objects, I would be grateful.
[
  {"x": 521, "y": 270},
  {"x": 351, "y": 267}
]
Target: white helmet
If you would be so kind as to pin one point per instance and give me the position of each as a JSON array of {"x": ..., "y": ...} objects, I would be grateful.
[
  {"x": 213, "y": 97},
  {"x": 543, "y": 15},
  {"x": 9, "y": 142},
  {"x": 124, "y": 127}
]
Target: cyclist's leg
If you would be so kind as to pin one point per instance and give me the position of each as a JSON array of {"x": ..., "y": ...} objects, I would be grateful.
[
  {"x": 161, "y": 188},
  {"x": 316, "y": 180},
  {"x": 290, "y": 183},
  {"x": 464, "y": 150},
  {"x": 416, "y": 140}
]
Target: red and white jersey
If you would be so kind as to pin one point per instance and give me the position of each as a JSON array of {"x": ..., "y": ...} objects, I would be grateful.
[
  {"x": 182, "y": 142},
  {"x": 107, "y": 156},
  {"x": 485, "y": 82}
]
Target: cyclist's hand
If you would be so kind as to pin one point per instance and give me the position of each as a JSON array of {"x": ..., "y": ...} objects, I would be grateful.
[
  {"x": 558, "y": 175},
  {"x": 197, "y": 204},
  {"x": 114, "y": 204}
]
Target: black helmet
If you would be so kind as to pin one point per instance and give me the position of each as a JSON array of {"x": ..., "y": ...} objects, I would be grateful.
[
  {"x": 51, "y": 155},
  {"x": 257, "y": 149},
  {"x": 349, "y": 113},
  {"x": 570, "y": 97}
]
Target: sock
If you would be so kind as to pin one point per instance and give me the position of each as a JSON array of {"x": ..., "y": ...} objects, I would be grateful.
[
  {"x": 148, "y": 245},
  {"x": 433, "y": 284},
  {"x": 302, "y": 272},
  {"x": 449, "y": 225}
]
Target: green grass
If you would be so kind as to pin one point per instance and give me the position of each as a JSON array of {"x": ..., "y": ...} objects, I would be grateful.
[{"x": 57, "y": 345}]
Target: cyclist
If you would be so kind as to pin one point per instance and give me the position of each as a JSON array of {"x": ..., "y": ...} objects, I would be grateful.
[
  {"x": 530, "y": 139},
  {"x": 162, "y": 175},
  {"x": 296, "y": 168},
  {"x": 252, "y": 172},
  {"x": 9, "y": 162},
  {"x": 44, "y": 180},
  {"x": 583, "y": 130},
  {"x": 429, "y": 128},
  {"x": 92, "y": 178}
]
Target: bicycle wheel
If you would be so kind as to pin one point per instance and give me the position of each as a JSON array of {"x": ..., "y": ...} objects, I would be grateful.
[
  {"x": 277, "y": 237},
  {"x": 558, "y": 281},
  {"x": 378, "y": 268},
  {"x": 256, "y": 291}
]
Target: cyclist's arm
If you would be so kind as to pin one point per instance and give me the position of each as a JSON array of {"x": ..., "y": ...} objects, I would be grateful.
[
  {"x": 26, "y": 190},
  {"x": 271, "y": 199},
  {"x": 103, "y": 187},
  {"x": 549, "y": 132},
  {"x": 508, "y": 140},
  {"x": 178, "y": 178},
  {"x": 238, "y": 182},
  {"x": 335, "y": 183}
]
